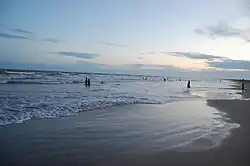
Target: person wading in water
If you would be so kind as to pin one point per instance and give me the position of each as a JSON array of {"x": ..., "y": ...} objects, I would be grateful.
[{"x": 188, "y": 85}]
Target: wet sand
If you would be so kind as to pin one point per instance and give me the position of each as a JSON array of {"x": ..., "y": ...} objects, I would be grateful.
[{"x": 234, "y": 151}]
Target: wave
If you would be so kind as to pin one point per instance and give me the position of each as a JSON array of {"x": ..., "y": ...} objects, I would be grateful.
[
  {"x": 28, "y": 82},
  {"x": 53, "y": 101},
  {"x": 19, "y": 73},
  {"x": 54, "y": 74},
  {"x": 3, "y": 72},
  {"x": 47, "y": 111},
  {"x": 27, "y": 77}
]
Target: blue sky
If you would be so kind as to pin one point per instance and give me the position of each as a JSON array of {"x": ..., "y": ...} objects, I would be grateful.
[{"x": 158, "y": 37}]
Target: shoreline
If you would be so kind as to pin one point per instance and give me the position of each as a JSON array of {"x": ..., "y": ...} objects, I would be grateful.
[
  {"x": 237, "y": 145},
  {"x": 232, "y": 151}
]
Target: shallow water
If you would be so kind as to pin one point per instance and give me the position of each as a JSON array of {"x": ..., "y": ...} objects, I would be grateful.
[
  {"x": 107, "y": 134},
  {"x": 29, "y": 95}
]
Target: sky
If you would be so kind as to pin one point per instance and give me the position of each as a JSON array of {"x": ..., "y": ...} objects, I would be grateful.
[{"x": 159, "y": 37}]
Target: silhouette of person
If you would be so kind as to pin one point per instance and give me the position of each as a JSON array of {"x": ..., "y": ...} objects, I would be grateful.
[
  {"x": 164, "y": 79},
  {"x": 88, "y": 82},
  {"x": 243, "y": 85},
  {"x": 188, "y": 85}
]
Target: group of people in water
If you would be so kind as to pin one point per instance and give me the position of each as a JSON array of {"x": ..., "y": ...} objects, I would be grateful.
[
  {"x": 164, "y": 79},
  {"x": 87, "y": 82},
  {"x": 188, "y": 84}
]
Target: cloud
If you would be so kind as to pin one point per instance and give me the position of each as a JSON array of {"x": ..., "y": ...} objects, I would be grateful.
[
  {"x": 145, "y": 69},
  {"x": 11, "y": 36},
  {"x": 53, "y": 40},
  {"x": 113, "y": 44},
  {"x": 140, "y": 57},
  {"x": 222, "y": 29},
  {"x": 81, "y": 66},
  {"x": 151, "y": 67},
  {"x": 199, "y": 31},
  {"x": 214, "y": 61},
  {"x": 18, "y": 30},
  {"x": 194, "y": 55},
  {"x": 231, "y": 64},
  {"x": 78, "y": 54},
  {"x": 149, "y": 53},
  {"x": 14, "y": 36}
]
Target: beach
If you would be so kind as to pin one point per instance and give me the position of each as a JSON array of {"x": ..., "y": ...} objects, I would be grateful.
[
  {"x": 233, "y": 151},
  {"x": 125, "y": 83},
  {"x": 64, "y": 142},
  {"x": 69, "y": 124}
]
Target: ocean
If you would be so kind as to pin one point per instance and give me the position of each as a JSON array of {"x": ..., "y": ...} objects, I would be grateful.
[{"x": 26, "y": 95}]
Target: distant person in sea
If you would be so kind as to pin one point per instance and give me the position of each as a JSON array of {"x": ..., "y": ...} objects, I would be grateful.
[
  {"x": 88, "y": 82},
  {"x": 180, "y": 79},
  {"x": 164, "y": 79},
  {"x": 189, "y": 84},
  {"x": 243, "y": 85}
]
